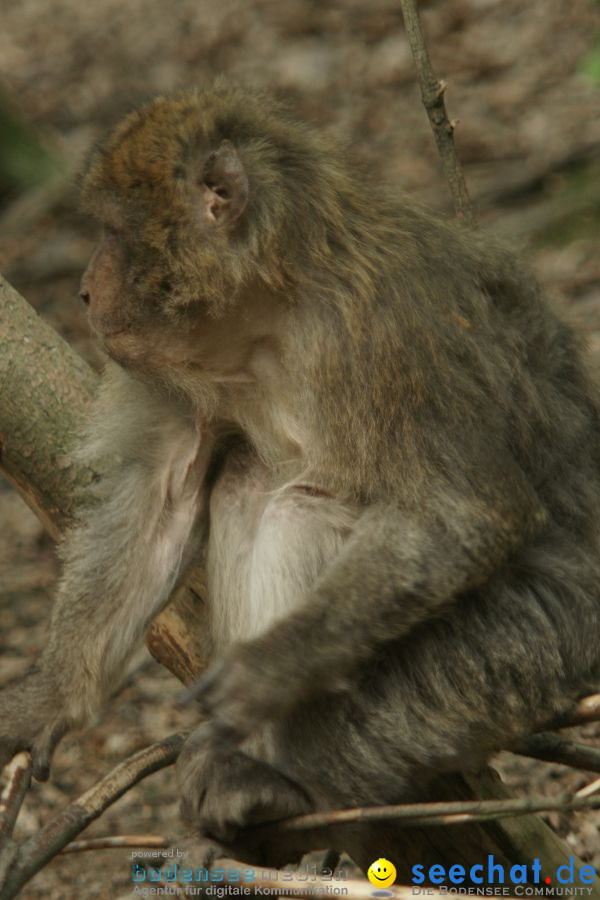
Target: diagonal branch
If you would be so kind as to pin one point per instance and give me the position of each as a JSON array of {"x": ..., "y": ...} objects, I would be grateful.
[{"x": 46, "y": 389}]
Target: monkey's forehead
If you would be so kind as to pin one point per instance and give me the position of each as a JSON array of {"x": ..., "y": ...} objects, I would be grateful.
[
  {"x": 146, "y": 146},
  {"x": 150, "y": 145}
]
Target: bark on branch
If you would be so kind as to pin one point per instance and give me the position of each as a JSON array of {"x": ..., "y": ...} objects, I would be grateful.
[
  {"x": 45, "y": 391},
  {"x": 45, "y": 388}
]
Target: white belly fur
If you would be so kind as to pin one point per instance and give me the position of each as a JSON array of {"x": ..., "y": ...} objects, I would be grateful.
[{"x": 269, "y": 540}]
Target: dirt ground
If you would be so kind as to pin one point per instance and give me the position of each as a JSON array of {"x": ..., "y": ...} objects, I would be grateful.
[{"x": 528, "y": 134}]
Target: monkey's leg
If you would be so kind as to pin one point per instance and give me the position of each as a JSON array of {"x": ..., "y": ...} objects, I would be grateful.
[
  {"x": 510, "y": 658},
  {"x": 121, "y": 562}
]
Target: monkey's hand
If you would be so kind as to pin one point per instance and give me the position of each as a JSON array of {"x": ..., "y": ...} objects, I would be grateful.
[
  {"x": 245, "y": 688},
  {"x": 32, "y": 718},
  {"x": 222, "y": 798}
]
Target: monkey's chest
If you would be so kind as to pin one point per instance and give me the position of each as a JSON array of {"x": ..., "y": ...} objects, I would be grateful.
[{"x": 270, "y": 537}]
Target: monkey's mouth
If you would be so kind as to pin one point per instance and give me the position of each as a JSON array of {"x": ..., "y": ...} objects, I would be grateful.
[{"x": 103, "y": 334}]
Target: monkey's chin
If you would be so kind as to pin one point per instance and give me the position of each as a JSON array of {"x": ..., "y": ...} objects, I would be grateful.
[{"x": 123, "y": 348}]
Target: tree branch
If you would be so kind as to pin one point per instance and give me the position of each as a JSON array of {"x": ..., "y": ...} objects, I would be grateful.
[
  {"x": 412, "y": 814},
  {"x": 432, "y": 94},
  {"x": 46, "y": 389},
  {"x": 18, "y": 779},
  {"x": 588, "y": 789},
  {"x": 153, "y": 841},
  {"x": 56, "y": 834},
  {"x": 587, "y": 710},
  {"x": 554, "y": 748}
]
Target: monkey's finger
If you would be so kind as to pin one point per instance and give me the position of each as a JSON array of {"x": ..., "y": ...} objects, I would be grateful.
[
  {"x": 43, "y": 749},
  {"x": 200, "y": 690},
  {"x": 214, "y": 737},
  {"x": 186, "y": 696}
]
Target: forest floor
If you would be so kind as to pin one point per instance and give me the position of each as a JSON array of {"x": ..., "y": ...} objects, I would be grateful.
[{"x": 520, "y": 82}]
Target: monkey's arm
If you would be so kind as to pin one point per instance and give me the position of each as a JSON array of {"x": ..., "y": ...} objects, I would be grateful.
[
  {"x": 398, "y": 569},
  {"x": 120, "y": 563}
]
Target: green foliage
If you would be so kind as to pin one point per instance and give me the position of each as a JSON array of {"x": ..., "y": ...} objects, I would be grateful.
[
  {"x": 579, "y": 195},
  {"x": 591, "y": 65},
  {"x": 24, "y": 160}
]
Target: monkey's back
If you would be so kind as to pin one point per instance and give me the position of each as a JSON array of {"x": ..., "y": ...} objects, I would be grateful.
[{"x": 444, "y": 351}]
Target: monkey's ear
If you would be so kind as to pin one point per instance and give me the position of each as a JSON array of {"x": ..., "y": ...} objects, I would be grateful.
[{"x": 225, "y": 186}]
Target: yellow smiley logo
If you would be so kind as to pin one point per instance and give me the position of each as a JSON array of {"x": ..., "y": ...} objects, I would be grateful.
[{"x": 381, "y": 873}]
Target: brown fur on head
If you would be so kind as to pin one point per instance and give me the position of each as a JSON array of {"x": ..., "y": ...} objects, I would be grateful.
[{"x": 214, "y": 189}]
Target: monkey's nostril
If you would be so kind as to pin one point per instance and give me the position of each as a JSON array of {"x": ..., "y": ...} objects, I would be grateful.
[{"x": 85, "y": 297}]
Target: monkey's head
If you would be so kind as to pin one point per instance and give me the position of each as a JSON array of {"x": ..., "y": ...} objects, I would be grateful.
[{"x": 204, "y": 199}]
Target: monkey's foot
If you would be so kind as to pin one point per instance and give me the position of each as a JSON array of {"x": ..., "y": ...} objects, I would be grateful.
[
  {"x": 223, "y": 798},
  {"x": 32, "y": 717}
]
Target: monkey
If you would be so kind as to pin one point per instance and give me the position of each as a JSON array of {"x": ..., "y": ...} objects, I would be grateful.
[{"x": 374, "y": 429}]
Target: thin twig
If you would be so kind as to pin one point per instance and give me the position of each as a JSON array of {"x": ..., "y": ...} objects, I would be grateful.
[
  {"x": 411, "y": 814},
  {"x": 50, "y": 840},
  {"x": 587, "y": 710},
  {"x": 18, "y": 779},
  {"x": 592, "y": 788},
  {"x": 153, "y": 841},
  {"x": 432, "y": 94},
  {"x": 554, "y": 748}
]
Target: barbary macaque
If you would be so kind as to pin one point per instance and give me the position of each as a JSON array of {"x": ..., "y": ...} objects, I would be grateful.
[{"x": 378, "y": 433}]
